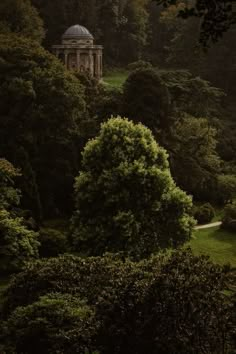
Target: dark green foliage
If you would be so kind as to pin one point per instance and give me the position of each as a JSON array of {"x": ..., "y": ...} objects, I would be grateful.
[
  {"x": 41, "y": 106},
  {"x": 55, "y": 323},
  {"x": 126, "y": 200},
  {"x": 108, "y": 103},
  {"x": 52, "y": 242},
  {"x": 173, "y": 311},
  {"x": 86, "y": 277},
  {"x": 227, "y": 142},
  {"x": 193, "y": 95},
  {"x": 20, "y": 17},
  {"x": 203, "y": 213},
  {"x": 140, "y": 64},
  {"x": 227, "y": 188},
  {"x": 28, "y": 183},
  {"x": 229, "y": 220},
  {"x": 146, "y": 99},
  {"x": 166, "y": 304},
  {"x": 17, "y": 244},
  {"x": 9, "y": 195},
  {"x": 194, "y": 162},
  {"x": 216, "y": 16}
]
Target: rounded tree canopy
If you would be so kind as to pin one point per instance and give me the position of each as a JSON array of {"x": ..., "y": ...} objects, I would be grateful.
[
  {"x": 126, "y": 199},
  {"x": 146, "y": 99}
]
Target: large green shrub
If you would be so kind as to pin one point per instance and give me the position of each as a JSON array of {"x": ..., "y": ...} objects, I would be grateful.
[
  {"x": 126, "y": 199},
  {"x": 204, "y": 213}
]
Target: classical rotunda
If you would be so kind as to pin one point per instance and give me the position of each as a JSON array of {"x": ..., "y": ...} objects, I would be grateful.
[{"x": 78, "y": 51}]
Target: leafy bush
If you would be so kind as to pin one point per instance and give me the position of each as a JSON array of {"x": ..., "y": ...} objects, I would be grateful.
[
  {"x": 229, "y": 220},
  {"x": 54, "y": 324},
  {"x": 52, "y": 242},
  {"x": 204, "y": 213}
]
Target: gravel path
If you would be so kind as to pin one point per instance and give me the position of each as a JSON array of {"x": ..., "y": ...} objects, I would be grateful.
[{"x": 208, "y": 226}]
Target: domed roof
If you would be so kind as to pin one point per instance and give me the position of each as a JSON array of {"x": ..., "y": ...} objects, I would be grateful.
[{"x": 77, "y": 32}]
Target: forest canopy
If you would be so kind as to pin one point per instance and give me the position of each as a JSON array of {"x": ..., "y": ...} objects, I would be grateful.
[{"x": 117, "y": 177}]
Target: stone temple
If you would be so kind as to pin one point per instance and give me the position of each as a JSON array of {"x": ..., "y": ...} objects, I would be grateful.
[{"x": 79, "y": 53}]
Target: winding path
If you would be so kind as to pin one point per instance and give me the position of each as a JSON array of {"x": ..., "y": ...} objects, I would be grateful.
[{"x": 208, "y": 226}]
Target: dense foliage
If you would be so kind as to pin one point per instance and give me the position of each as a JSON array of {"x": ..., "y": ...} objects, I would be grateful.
[
  {"x": 20, "y": 17},
  {"x": 229, "y": 220},
  {"x": 137, "y": 298},
  {"x": 41, "y": 105},
  {"x": 118, "y": 306},
  {"x": 192, "y": 147},
  {"x": 125, "y": 195},
  {"x": 17, "y": 244},
  {"x": 55, "y": 323},
  {"x": 217, "y": 16},
  {"x": 204, "y": 213},
  {"x": 146, "y": 99}
]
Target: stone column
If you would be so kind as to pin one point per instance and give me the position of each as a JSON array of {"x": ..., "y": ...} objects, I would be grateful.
[
  {"x": 78, "y": 59},
  {"x": 66, "y": 60},
  {"x": 100, "y": 65},
  {"x": 97, "y": 65},
  {"x": 101, "y": 62},
  {"x": 91, "y": 63}
]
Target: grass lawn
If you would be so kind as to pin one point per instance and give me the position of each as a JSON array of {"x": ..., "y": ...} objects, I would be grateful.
[
  {"x": 219, "y": 244},
  {"x": 115, "y": 79}
]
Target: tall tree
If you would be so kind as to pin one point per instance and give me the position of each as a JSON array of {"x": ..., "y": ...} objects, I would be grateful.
[
  {"x": 125, "y": 195},
  {"x": 20, "y": 17},
  {"x": 41, "y": 106}
]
